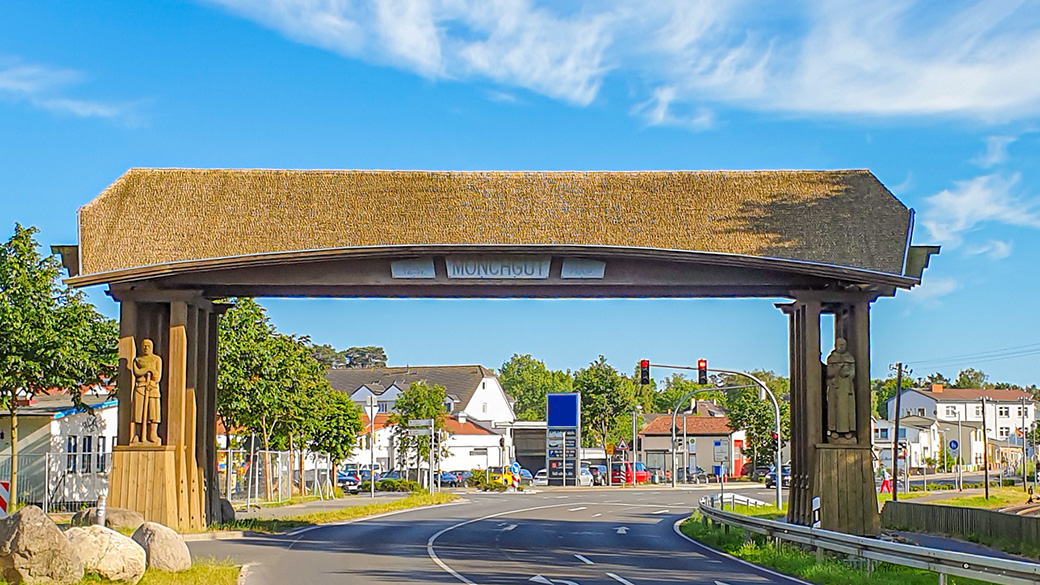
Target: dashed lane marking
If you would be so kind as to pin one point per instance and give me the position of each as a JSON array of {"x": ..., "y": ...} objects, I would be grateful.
[
  {"x": 577, "y": 509},
  {"x": 621, "y": 580},
  {"x": 584, "y": 560}
]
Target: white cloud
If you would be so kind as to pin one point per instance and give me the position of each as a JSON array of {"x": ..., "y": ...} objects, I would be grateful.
[
  {"x": 44, "y": 88},
  {"x": 996, "y": 151},
  {"x": 684, "y": 58},
  {"x": 952, "y": 213},
  {"x": 932, "y": 289},
  {"x": 994, "y": 249}
]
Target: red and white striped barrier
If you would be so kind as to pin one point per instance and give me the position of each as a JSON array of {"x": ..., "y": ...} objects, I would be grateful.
[{"x": 5, "y": 497}]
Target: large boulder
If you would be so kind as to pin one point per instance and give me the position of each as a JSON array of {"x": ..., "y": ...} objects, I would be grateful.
[
  {"x": 227, "y": 511},
  {"x": 107, "y": 553},
  {"x": 117, "y": 518},
  {"x": 34, "y": 550},
  {"x": 164, "y": 548}
]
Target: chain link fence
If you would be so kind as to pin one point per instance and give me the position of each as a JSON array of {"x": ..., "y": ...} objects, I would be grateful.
[
  {"x": 58, "y": 482},
  {"x": 249, "y": 478}
]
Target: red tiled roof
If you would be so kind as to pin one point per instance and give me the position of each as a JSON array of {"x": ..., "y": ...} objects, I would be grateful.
[
  {"x": 695, "y": 425},
  {"x": 976, "y": 394},
  {"x": 381, "y": 421},
  {"x": 453, "y": 426}
]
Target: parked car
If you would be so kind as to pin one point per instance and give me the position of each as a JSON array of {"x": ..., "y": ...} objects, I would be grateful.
[
  {"x": 599, "y": 474},
  {"x": 619, "y": 468},
  {"x": 695, "y": 475},
  {"x": 585, "y": 477},
  {"x": 525, "y": 477},
  {"x": 760, "y": 472},
  {"x": 461, "y": 477},
  {"x": 785, "y": 475},
  {"x": 449, "y": 479},
  {"x": 348, "y": 482},
  {"x": 392, "y": 474},
  {"x": 541, "y": 477}
]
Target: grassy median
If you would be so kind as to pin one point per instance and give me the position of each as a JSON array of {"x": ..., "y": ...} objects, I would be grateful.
[
  {"x": 202, "y": 572},
  {"x": 417, "y": 500},
  {"x": 792, "y": 560}
]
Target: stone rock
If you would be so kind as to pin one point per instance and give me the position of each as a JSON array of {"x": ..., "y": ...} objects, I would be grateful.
[
  {"x": 227, "y": 511},
  {"x": 34, "y": 550},
  {"x": 164, "y": 548},
  {"x": 114, "y": 518},
  {"x": 108, "y": 553}
]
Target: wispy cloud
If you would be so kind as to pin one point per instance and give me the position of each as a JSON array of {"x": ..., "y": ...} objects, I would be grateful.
[
  {"x": 686, "y": 58},
  {"x": 994, "y": 249},
  {"x": 932, "y": 289},
  {"x": 952, "y": 213},
  {"x": 996, "y": 151},
  {"x": 46, "y": 88}
]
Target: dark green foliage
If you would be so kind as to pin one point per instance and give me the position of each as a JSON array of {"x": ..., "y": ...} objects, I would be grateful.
[{"x": 527, "y": 381}]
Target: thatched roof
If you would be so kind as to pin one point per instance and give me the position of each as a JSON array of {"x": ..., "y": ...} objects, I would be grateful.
[{"x": 157, "y": 216}]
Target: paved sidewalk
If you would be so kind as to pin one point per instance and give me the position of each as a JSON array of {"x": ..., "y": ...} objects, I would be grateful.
[
  {"x": 271, "y": 513},
  {"x": 953, "y": 544}
]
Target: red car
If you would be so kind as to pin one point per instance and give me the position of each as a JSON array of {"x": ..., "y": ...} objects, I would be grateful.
[{"x": 621, "y": 472}]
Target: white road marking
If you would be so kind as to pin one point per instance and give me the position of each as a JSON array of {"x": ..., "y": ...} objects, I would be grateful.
[
  {"x": 660, "y": 512},
  {"x": 622, "y": 529},
  {"x": 594, "y": 515},
  {"x": 584, "y": 560},
  {"x": 720, "y": 583},
  {"x": 576, "y": 509},
  {"x": 540, "y": 579},
  {"x": 509, "y": 527},
  {"x": 561, "y": 497},
  {"x": 621, "y": 580}
]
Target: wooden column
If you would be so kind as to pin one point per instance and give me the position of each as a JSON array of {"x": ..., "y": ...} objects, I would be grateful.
[
  {"x": 806, "y": 405},
  {"x": 165, "y": 482}
]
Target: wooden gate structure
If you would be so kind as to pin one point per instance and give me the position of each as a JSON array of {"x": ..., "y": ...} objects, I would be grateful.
[{"x": 170, "y": 243}]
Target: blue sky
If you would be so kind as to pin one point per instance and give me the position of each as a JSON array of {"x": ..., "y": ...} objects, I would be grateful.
[{"x": 942, "y": 105}]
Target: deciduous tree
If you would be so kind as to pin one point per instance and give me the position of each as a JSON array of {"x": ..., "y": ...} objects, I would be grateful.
[
  {"x": 607, "y": 399},
  {"x": 527, "y": 381},
  {"x": 50, "y": 338}
]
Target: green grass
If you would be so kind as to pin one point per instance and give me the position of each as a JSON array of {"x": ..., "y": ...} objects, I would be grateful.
[
  {"x": 202, "y": 572},
  {"x": 349, "y": 513},
  {"x": 998, "y": 498},
  {"x": 791, "y": 560}
]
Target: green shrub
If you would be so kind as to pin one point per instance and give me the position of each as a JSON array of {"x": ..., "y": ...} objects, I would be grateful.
[{"x": 479, "y": 480}]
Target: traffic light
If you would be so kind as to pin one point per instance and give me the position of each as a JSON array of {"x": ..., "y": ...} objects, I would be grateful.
[
  {"x": 502, "y": 442},
  {"x": 776, "y": 441},
  {"x": 702, "y": 372},
  {"x": 644, "y": 371}
]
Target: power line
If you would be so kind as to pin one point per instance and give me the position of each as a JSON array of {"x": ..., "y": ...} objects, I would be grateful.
[{"x": 980, "y": 357}]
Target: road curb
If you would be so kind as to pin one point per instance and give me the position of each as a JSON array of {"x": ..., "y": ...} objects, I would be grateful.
[{"x": 215, "y": 535}]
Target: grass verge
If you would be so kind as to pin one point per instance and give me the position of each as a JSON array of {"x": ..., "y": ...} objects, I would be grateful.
[
  {"x": 998, "y": 498},
  {"x": 202, "y": 572},
  {"x": 349, "y": 513},
  {"x": 791, "y": 560}
]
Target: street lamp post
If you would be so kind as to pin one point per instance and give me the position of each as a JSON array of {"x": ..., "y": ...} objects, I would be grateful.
[
  {"x": 632, "y": 445},
  {"x": 371, "y": 401},
  {"x": 1022, "y": 429}
]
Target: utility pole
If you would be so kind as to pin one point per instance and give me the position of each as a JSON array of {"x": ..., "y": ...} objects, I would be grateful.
[
  {"x": 985, "y": 447},
  {"x": 960, "y": 446},
  {"x": 895, "y": 439},
  {"x": 1022, "y": 429},
  {"x": 372, "y": 401}
]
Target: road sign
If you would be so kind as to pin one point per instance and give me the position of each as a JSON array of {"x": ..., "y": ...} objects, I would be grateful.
[
  {"x": 621, "y": 446},
  {"x": 478, "y": 451},
  {"x": 954, "y": 444},
  {"x": 514, "y": 468},
  {"x": 721, "y": 450},
  {"x": 420, "y": 422},
  {"x": 609, "y": 449},
  {"x": 418, "y": 432}
]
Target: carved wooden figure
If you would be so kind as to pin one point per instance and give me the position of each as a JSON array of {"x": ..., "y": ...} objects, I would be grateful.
[
  {"x": 147, "y": 370},
  {"x": 841, "y": 393}
]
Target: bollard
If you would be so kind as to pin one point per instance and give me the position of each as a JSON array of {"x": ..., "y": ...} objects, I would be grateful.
[
  {"x": 942, "y": 578},
  {"x": 100, "y": 517}
]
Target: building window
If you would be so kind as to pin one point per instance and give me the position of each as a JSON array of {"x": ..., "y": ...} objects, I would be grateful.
[
  {"x": 951, "y": 411},
  {"x": 1004, "y": 411},
  {"x": 70, "y": 448},
  {"x": 902, "y": 433},
  {"x": 881, "y": 433},
  {"x": 483, "y": 408},
  {"x": 1003, "y": 432},
  {"x": 978, "y": 412},
  {"x": 920, "y": 412},
  {"x": 101, "y": 455},
  {"x": 1020, "y": 413},
  {"x": 384, "y": 407},
  {"x": 88, "y": 455}
]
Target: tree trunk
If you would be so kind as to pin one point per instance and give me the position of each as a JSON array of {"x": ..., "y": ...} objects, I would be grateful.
[
  {"x": 267, "y": 465},
  {"x": 12, "y": 499}
]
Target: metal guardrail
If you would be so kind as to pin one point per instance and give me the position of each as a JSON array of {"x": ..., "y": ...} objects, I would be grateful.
[{"x": 943, "y": 562}]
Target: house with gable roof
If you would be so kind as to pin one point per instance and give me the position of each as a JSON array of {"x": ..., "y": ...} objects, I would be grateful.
[
  {"x": 696, "y": 435},
  {"x": 476, "y": 405}
]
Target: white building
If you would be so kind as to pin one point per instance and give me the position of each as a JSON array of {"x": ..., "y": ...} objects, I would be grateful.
[
  {"x": 477, "y": 407},
  {"x": 63, "y": 454},
  {"x": 1006, "y": 410},
  {"x": 697, "y": 435}
]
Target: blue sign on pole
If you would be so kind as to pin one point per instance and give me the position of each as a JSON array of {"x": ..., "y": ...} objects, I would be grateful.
[
  {"x": 562, "y": 411},
  {"x": 954, "y": 444}
]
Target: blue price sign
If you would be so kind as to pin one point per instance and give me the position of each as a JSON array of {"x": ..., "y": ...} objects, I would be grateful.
[{"x": 954, "y": 444}]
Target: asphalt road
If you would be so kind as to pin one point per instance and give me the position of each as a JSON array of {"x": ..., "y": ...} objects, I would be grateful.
[{"x": 562, "y": 537}]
